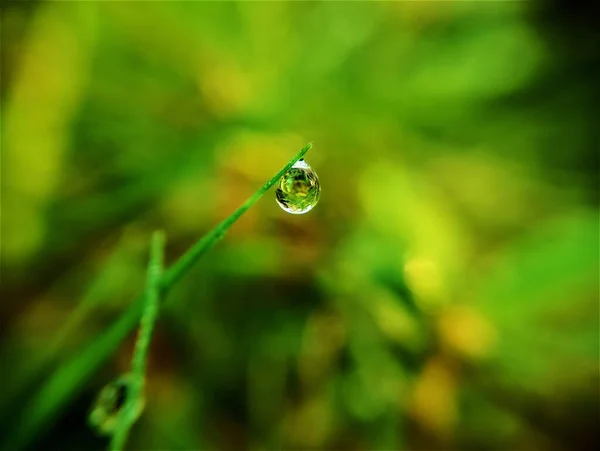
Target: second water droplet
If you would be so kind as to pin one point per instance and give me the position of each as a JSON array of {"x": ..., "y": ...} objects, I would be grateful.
[{"x": 109, "y": 403}]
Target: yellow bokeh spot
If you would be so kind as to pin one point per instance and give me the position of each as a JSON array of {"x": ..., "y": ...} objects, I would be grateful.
[
  {"x": 422, "y": 276},
  {"x": 466, "y": 332},
  {"x": 226, "y": 87},
  {"x": 434, "y": 403}
]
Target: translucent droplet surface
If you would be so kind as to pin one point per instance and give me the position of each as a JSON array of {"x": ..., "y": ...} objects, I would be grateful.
[
  {"x": 109, "y": 403},
  {"x": 298, "y": 190}
]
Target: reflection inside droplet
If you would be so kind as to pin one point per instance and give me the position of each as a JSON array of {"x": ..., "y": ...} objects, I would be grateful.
[{"x": 298, "y": 190}]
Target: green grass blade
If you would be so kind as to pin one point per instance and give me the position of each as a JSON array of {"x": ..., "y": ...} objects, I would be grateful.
[
  {"x": 182, "y": 266},
  {"x": 68, "y": 380}
]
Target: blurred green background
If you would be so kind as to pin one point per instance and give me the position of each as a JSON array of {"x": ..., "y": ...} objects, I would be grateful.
[{"x": 443, "y": 295}]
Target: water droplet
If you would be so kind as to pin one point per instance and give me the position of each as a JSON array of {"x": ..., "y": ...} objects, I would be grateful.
[
  {"x": 109, "y": 403},
  {"x": 298, "y": 190}
]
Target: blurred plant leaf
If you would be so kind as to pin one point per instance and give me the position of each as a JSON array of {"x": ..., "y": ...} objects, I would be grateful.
[
  {"x": 68, "y": 380},
  {"x": 542, "y": 297},
  {"x": 118, "y": 276}
]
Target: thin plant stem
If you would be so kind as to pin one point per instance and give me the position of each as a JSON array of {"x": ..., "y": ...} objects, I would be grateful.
[
  {"x": 128, "y": 415},
  {"x": 155, "y": 270}
]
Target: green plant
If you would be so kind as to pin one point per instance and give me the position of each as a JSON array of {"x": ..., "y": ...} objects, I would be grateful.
[
  {"x": 129, "y": 413},
  {"x": 68, "y": 379}
]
